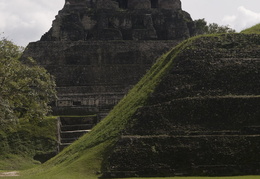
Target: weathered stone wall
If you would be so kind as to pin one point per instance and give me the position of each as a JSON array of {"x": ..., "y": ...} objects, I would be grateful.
[
  {"x": 106, "y": 20},
  {"x": 98, "y": 49},
  {"x": 203, "y": 117},
  {"x": 170, "y": 4},
  {"x": 93, "y": 76},
  {"x": 126, "y": 4}
]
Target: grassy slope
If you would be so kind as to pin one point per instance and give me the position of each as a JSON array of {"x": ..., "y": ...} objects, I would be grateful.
[
  {"x": 17, "y": 162},
  {"x": 83, "y": 159},
  {"x": 17, "y": 149},
  {"x": 252, "y": 30}
]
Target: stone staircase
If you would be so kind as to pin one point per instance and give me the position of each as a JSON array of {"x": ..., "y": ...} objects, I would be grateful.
[{"x": 70, "y": 128}]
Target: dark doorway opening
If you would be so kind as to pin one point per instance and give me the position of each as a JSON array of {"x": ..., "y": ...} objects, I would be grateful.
[
  {"x": 123, "y": 4},
  {"x": 154, "y": 3},
  {"x": 76, "y": 103}
]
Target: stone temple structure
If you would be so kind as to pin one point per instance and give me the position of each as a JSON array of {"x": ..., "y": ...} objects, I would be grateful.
[
  {"x": 201, "y": 118},
  {"x": 98, "y": 49}
]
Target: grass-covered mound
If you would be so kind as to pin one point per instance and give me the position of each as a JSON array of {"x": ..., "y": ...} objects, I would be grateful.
[
  {"x": 252, "y": 30},
  {"x": 86, "y": 157}
]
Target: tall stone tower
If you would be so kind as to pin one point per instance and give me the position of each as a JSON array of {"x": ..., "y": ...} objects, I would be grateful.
[{"x": 98, "y": 49}]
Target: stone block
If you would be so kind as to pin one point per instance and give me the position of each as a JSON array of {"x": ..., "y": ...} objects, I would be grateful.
[
  {"x": 170, "y": 4},
  {"x": 139, "y": 4},
  {"x": 107, "y": 4}
]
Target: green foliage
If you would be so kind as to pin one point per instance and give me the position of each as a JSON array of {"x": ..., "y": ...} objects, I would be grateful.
[
  {"x": 25, "y": 89},
  {"x": 252, "y": 30},
  {"x": 8, "y": 50},
  {"x": 25, "y": 92},
  {"x": 15, "y": 162},
  {"x": 19, "y": 144},
  {"x": 202, "y": 27}
]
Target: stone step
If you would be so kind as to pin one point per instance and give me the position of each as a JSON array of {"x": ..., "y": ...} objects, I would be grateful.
[
  {"x": 73, "y": 134},
  {"x": 62, "y": 146},
  {"x": 78, "y": 120},
  {"x": 70, "y": 128},
  {"x": 102, "y": 115},
  {"x": 72, "y": 110},
  {"x": 119, "y": 174},
  {"x": 76, "y": 131},
  {"x": 215, "y": 170},
  {"x": 65, "y": 144},
  {"x": 251, "y": 130},
  {"x": 77, "y": 127},
  {"x": 208, "y": 170},
  {"x": 68, "y": 140},
  {"x": 225, "y": 132},
  {"x": 151, "y": 137}
]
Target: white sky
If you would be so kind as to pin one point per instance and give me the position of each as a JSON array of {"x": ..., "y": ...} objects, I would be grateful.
[
  {"x": 238, "y": 14},
  {"x": 24, "y": 21}
]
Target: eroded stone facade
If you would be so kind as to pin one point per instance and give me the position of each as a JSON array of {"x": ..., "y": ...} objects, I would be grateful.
[
  {"x": 121, "y": 20},
  {"x": 98, "y": 49},
  {"x": 127, "y": 4}
]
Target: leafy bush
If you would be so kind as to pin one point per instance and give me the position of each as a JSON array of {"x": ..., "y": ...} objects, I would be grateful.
[
  {"x": 202, "y": 27},
  {"x": 25, "y": 89},
  {"x": 25, "y": 92}
]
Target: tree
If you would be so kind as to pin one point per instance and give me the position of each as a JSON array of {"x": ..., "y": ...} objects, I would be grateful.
[
  {"x": 25, "y": 89},
  {"x": 202, "y": 27}
]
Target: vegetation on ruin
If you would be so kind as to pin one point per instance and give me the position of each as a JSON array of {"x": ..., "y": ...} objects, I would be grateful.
[
  {"x": 252, "y": 30},
  {"x": 85, "y": 157},
  {"x": 25, "y": 91},
  {"x": 22, "y": 144},
  {"x": 202, "y": 28}
]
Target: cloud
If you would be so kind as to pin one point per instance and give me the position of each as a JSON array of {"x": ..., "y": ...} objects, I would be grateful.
[
  {"x": 27, "y": 20},
  {"x": 244, "y": 18}
]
